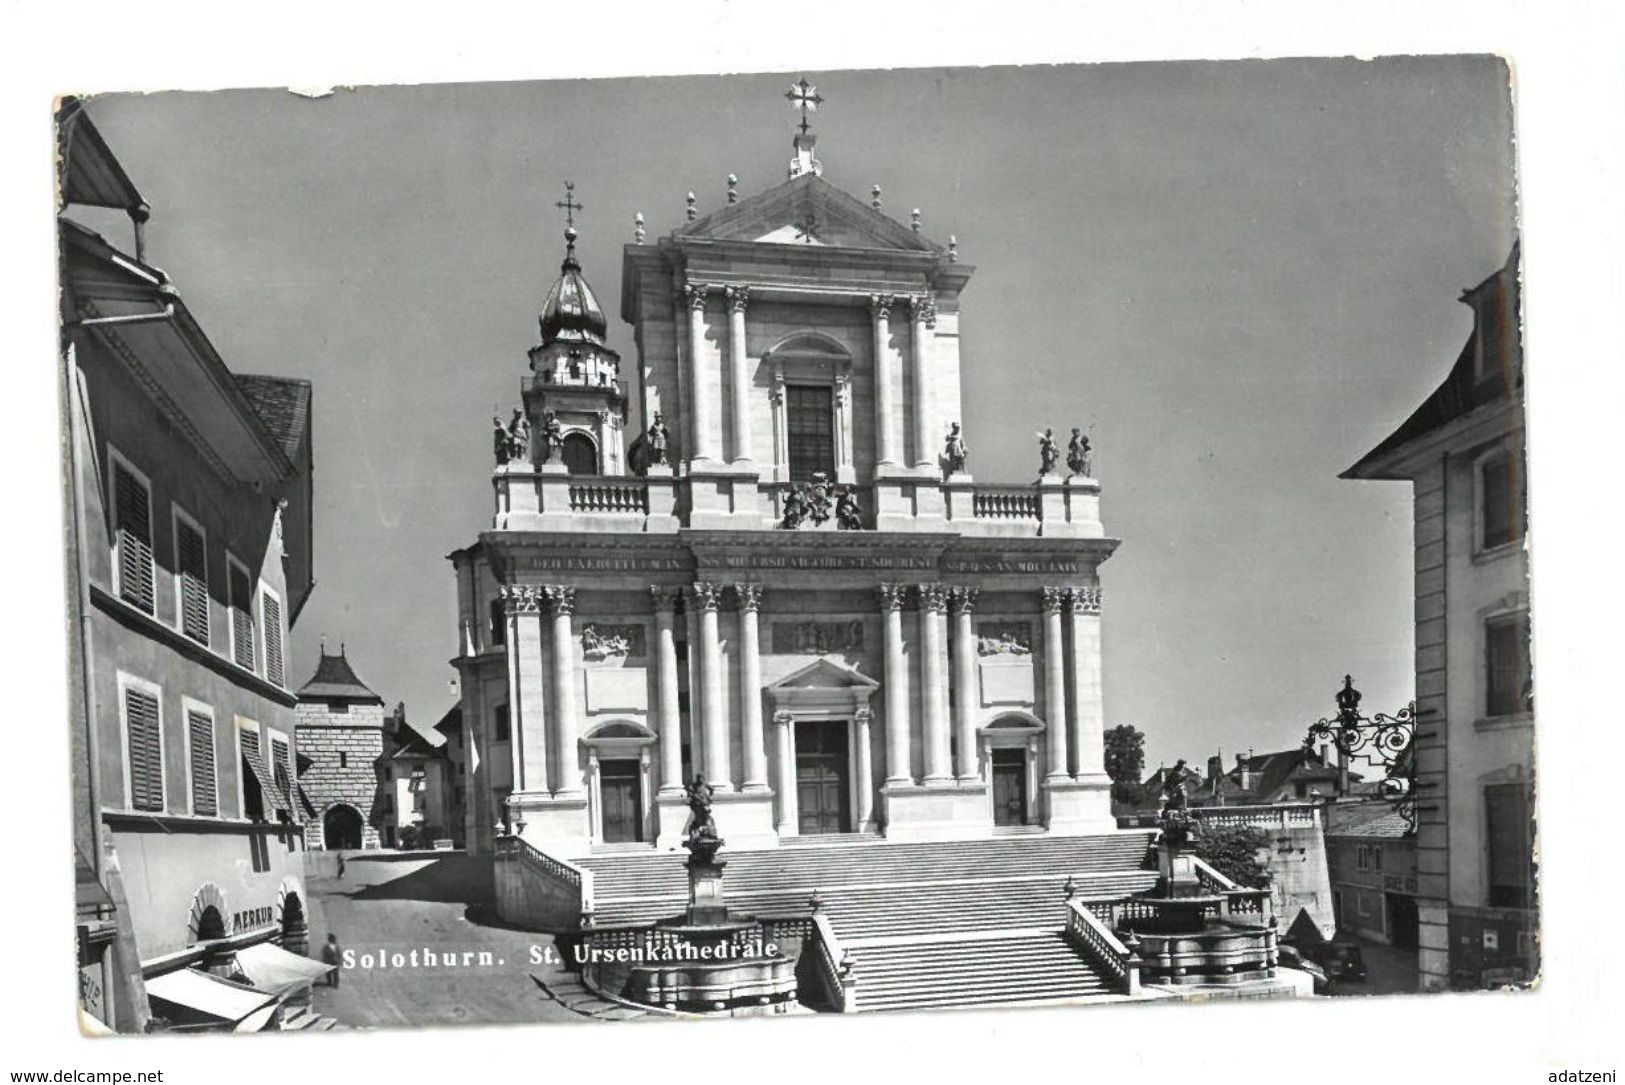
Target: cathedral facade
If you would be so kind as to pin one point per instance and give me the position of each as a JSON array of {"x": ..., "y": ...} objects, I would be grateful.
[{"x": 788, "y": 583}]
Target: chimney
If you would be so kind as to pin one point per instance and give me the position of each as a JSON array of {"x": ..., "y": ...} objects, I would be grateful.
[
  {"x": 1244, "y": 773},
  {"x": 1215, "y": 769}
]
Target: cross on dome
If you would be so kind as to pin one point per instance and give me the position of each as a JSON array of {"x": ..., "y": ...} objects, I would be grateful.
[{"x": 804, "y": 96}]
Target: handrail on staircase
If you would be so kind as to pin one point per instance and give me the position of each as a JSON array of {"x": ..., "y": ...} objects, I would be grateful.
[
  {"x": 834, "y": 965},
  {"x": 1239, "y": 902},
  {"x": 575, "y": 883},
  {"x": 1086, "y": 930}
]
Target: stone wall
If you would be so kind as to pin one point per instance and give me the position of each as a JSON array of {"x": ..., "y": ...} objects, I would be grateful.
[{"x": 358, "y": 734}]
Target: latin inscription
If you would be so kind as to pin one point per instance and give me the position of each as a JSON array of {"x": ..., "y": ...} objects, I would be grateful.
[
  {"x": 1005, "y": 565},
  {"x": 601, "y": 564}
]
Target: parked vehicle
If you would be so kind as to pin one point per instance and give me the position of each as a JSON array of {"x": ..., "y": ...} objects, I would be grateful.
[
  {"x": 1290, "y": 957},
  {"x": 1341, "y": 960}
]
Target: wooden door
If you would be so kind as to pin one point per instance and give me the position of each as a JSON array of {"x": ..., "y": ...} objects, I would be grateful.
[
  {"x": 821, "y": 777},
  {"x": 1009, "y": 787},
  {"x": 620, "y": 788}
]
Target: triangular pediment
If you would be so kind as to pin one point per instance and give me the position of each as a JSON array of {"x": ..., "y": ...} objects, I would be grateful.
[
  {"x": 825, "y": 674},
  {"x": 807, "y": 211}
]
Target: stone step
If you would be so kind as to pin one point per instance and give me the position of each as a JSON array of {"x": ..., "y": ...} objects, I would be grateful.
[{"x": 1028, "y": 967}]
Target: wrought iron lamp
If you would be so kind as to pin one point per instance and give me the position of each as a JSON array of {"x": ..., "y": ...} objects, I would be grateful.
[{"x": 1384, "y": 741}]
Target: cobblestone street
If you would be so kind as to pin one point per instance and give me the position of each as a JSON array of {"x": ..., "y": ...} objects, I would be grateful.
[{"x": 391, "y": 903}]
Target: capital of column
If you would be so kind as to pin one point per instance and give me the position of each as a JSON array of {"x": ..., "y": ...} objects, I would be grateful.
[
  {"x": 749, "y": 596},
  {"x": 783, "y": 719},
  {"x": 880, "y": 305},
  {"x": 1085, "y": 600},
  {"x": 964, "y": 598},
  {"x": 706, "y": 594},
  {"x": 694, "y": 294},
  {"x": 892, "y": 596},
  {"x": 520, "y": 598},
  {"x": 863, "y": 716},
  {"x": 664, "y": 596},
  {"x": 922, "y": 309},
  {"x": 738, "y": 297},
  {"x": 1054, "y": 600},
  {"x": 561, "y": 598},
  {"x": 934, "y": 597}
]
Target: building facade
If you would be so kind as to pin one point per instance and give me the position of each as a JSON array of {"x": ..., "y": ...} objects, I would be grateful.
[
  {"x": 189, "y": 542},
  {"x": 415, "y": 787},
  {"x": 1463, "y": 452},
  {"x": 1372, "y": 856},
  {"x": 341, "y": 729},
  {"x": 789, "y": 584}
]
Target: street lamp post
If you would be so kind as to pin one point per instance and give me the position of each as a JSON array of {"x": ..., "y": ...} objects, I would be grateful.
[{"x": 1383, "y": 740}]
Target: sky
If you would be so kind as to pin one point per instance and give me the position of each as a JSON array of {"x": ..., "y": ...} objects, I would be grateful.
[{"x": 1239, "y": 275}]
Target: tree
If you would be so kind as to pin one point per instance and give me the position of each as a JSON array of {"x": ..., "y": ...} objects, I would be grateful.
[
  {"x": 1125, "y": 763},
  {"x": 1234, "y": 853}
]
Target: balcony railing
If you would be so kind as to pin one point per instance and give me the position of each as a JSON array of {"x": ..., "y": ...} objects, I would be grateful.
[
  {"x": 1005, "y": 503},
  {"x": 608, "y": 493}
]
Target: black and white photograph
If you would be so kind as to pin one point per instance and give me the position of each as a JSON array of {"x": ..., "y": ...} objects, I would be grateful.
[{"x": 799, "y": 541}]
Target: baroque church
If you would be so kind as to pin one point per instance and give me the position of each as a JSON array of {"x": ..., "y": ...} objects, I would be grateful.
[{"x": 789, "y": 583}]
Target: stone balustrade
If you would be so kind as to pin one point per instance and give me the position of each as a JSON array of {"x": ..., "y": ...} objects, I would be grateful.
[
  {"x": 611, "y": 494},
  {"x": 1286, "y": 815},
  {"x": 540, "y": 891},
  {"x": 832, "y": 964},
  {"x": 1089, "y": 934}
]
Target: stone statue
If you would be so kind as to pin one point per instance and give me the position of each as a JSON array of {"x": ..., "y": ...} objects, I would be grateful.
[
  {"x": 1173, "y": 788},
  {"x": 518, "y": 436},
  {"x": 954, "y": 452},
  {"x": 552, "y": 435},
  {"x": 1077, "y": 453},
  {"x": 702, "y": 827},
  {"x": 847, "y": 515},
  {"x": 819, "y": 501},
  {"x": 499, "y": 440},
  {"x": 795, "y": 509},
  {"x": 1048, "y": 453},
  {"x": 659, "y": 440}
]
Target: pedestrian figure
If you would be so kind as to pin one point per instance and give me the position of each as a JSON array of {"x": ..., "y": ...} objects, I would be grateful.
[
  {"x": 332, "y": 956},
  {"x": 341, "y": 864}
]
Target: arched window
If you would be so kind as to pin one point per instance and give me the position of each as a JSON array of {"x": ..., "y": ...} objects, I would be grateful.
[{"x": 580, "y": 454}]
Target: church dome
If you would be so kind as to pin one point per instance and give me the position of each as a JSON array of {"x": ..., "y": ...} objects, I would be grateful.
[{"x": 571, "y": 312}]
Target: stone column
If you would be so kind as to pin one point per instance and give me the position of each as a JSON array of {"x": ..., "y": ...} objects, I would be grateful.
[
  {"x": 1055, "y": 683},
  {"x": 704, "y": 409},
  {"x": 898, "y": 769},
  {"x": 739, "y": 372},
  {"x": 718, "y": 770},
  {"x": 922, "y": 315},
  {"x": 784, "y": 727},
  {"x": 866, "y": 768},
  {"x": 566, "y": 726},
  {"x": 750, "y": 687},
  {"x": 933, "y": 682},
  {"x": 670, "y": 714},
  {"x": 887, "y": 437},
  {"x": 527, "y": 736},
  {"x": 965, "y": 691},
  {"x": 1088, "y": 703}
]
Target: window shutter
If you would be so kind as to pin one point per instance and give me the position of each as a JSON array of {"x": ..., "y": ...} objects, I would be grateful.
[
  {"x": 242, "y": 619},
  {"x": 279, "y": 770},
  {"x": 204, "y": 797},
  {"x": 271, "y": 614},
  {"x": 146, "y": 756},
  {"x": 134, "y": 529},
  {"x": 194, "y": 602}
]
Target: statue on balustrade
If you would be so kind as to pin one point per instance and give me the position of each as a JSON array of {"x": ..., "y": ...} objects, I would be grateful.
[
  {"x": 847, "y": 515},
  {"x": 659, "y": 440},
  {"x": 1048, "y": 453},
  {"x": 1175, "y": 819},
  {"x": 954, "y": 452},
  {"x": 795, "y": 509},
  {"x": 518, "y": 436},
  {"x": 499, "y": 440},
  {"x": 552, "y": 437},
  {"x": 1077, "y": 454}
]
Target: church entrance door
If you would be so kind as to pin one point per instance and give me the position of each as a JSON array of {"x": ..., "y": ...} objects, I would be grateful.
[
  {"x": 1009, "y": 787},
  {"x": 620, "y": 787},
  {"x": 822, "y": 777}
]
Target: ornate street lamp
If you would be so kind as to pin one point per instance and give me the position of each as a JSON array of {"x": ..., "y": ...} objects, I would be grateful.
[{"x": 1383, "y": 741}]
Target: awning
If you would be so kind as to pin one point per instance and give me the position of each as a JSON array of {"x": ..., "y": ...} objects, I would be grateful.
[
  {"x": 191, "y": 997},
  {"x": 272, "y": 968}
]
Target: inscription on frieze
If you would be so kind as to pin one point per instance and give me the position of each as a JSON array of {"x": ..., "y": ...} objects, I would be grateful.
[
  {"x": 817, "y": 638},
  {"x": 604, "y": 564},
  {"x": 973, "y": 564}
]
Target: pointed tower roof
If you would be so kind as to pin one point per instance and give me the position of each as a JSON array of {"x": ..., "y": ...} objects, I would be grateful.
[{"x": 336, "y": 680}]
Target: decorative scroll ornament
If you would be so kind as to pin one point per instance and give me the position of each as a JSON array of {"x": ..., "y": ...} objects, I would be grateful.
[
  {"x": 520, "y": 598},
  {"x": 706, "y": 594},
  {"x": 561, "y": 598},
  {"x": 694, "y": 294},
  {"x": 1054, "y": 600},
  {"x": 892, "y": 596},
  {"x": 880, "y": 305},
  {"x": 738, "y": 298},
  {"x": 1085, "y": 599},
  {"x": 749, "y": 595},
  {"x": 934, "y": 597},
  {"x": 1383, "y": 741},
  {"x": 964, "y": 599}
]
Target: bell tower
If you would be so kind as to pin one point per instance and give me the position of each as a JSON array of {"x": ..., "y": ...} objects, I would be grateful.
[{"x": 575, "y": 401}]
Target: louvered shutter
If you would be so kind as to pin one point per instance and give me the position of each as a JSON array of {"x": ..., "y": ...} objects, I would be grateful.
[
  {"x": 134, "y": 529},
  {"x": 271, "y": 613},
  {"x": 279, "y": 770},
  {"x": 194, "y": 601},
  {"x": 242, "y": 619},
  {"x": 146, "y": 752},
  {"x": 204, "y": 795}
]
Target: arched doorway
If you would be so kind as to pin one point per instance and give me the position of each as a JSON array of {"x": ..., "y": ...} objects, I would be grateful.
[
  {"x": 341, "y": 828},
  {"x": 580, "y": 454}
]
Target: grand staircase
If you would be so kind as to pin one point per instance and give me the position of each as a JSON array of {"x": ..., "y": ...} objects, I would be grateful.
[{"x": 934, "y": 924}]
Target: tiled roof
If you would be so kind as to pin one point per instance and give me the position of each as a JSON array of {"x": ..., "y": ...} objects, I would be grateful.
[
  {"x": 283, "y": 404},
  {"x": 1365, "y": 819},
  {"x": 451, "y": 722},
  {"x": 335, "y": 679},
  {"x": 409, "y": 742}
]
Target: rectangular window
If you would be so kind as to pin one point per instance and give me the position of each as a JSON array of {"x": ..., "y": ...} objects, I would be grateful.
[
  {"x": 143, "y": 728},
  {"x": 1509, "y": 844},
  {"x": 1362, "y": 858},
  {"x": 1506, "y": 665},
  {"x": 501, "y": 720},
  {"x": 1376, "y": 857},
  {"x": 132, "y": 525},
  {"x": 499, "y": 623},
  {"x": 200, "y": 753},
  {"x": 344, "y": 760},
  {"x": 191, "y": 579},
  {"x": 271, "y": 618},
  {"x": 267, "y": 791},
  {"x": 810, "y": 418},
  {"x": 241, "y": 592},
  {"x": 1501, "y": 511},
  {"x": 253, "y": 775}
]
